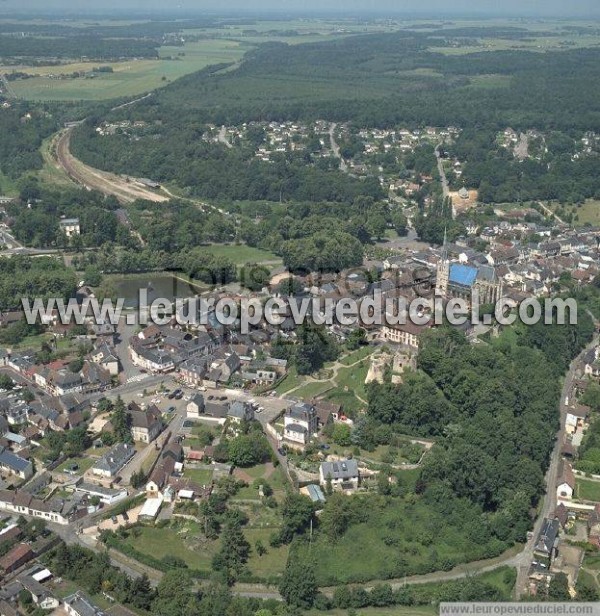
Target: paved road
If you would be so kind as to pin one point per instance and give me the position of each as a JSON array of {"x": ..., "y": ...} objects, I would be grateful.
[
  {"x": 551, "y": 213},
  {"x": 335, "y": 148},
  {"x": 549, "y": 503},
  {"x": 222, "y": 137},
  {"x": 137, "y": 100},
  {"x": 10, "y": 93},
  {"x": 442, "y": 172}
]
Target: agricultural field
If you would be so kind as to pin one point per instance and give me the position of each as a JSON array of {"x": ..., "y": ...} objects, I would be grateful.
[{"x": 128, "y": 78}]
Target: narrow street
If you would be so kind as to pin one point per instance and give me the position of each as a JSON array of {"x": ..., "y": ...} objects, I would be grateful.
[
  {"x": 335, "y": 148},
  {"x": 549, "y": 502}
]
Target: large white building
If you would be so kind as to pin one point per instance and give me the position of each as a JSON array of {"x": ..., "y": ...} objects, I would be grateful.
[{"x": 300, "y": 423}]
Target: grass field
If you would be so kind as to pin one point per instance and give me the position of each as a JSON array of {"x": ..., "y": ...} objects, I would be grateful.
[
  {"x": 269, "y": 564},
  {"x": 588, "y": 490},
  {"x": 312, "y": 390},
  {"x": 292, "y": 380},
  {"x": 8, "y": 186},
  {"x": 199, "y": 475},
  {"x": 83, "y": 463},
  {"x": 161, "y": 542},
  {"x": 357, "y": 355},
  {"x": 588, "y": 213},
  {"x": 129, "y": 78}
]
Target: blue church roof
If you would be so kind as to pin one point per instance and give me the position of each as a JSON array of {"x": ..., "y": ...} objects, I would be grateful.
[{"x": 463, "y": 275}]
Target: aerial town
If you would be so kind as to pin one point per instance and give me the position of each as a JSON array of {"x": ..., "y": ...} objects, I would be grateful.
[{"x": 171, "y": 446}]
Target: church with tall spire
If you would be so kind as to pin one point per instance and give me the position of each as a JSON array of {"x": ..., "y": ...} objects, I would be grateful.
[
  {"x": 443, "y": 270},
  {"x": 460, "y": 280}
]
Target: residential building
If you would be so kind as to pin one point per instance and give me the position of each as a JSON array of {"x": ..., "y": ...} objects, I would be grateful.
[
  {"x": 13, "y": 464},
  {"x": 547, "y": 541},
  {"x": 240, "y": 411},
  {"x": 566, "y": 482},
  {"x": 196, "y": 406},
  {"x": 70, "y": 226},
  {"x": 343, "y": 474},
  {"x": 407, "y": 334},
  {"x": 108, "y": 496},
  {"x": 79, "y": 604},
  {"x": 146, "y": 424},
  {"x": 194, "y": 370},
  {"x": 40, "y": 595},
  {"x": 17, "y": 557},
  {"x": 23, "y": 503},
  {"x": 106, "y": 357},
  {"x": 300, "y": 423},
  {"x": 113, "y": 461}
]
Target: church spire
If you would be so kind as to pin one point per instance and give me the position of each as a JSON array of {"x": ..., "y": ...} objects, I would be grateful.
[
  {"x": 445, "y": 246},
  {"x": 443, "y": 270}
]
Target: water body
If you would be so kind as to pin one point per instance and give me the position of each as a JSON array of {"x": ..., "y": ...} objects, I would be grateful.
[{"x": 164, "y": 286}]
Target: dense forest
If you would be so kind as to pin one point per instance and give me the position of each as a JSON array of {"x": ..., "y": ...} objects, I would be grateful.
[
  {"x": 384, "y": 80},
  {"x": 493, "y": 411},
  {"x": 44, "y": 277},
  {"x": 211, "y": 171},
  {"x": 23, "y": 129},
  {"x": 392, "y": 79},
  {"x": 90, "y": 47},
  {"x": 557, "y": 173}
]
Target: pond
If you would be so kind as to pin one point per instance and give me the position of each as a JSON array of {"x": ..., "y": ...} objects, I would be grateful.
[{"x": 164, "y": 286}]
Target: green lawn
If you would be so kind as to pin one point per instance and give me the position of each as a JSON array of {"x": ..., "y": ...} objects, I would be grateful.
[
  {"x": 130, "y": 77},
  {"x": 269, "y": 564},
  {"x": 406, "y": 537},
  {"x": 161, "y": 542},
  {"x": 588, "y": 213},
  {"x": 592, "y": 561},
  {"x": 83, "y": 463},
  {"x": 276, "y": 480},
  {"x": 8, "y": 186},
  {"x": 357, "y": 355},
  {"x": 198, "y": 475},
  {"x": 312, "y": 390},
  {"x": 292, "y": 380},
  {"x": 588, "y": 490}
]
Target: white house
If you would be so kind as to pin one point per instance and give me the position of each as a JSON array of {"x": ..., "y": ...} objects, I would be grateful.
[
  {"x": 576, "y": 418},
  {"x": 196, "y": 406},
  {"x": 566, "y": 483},
  {"x": 300, "y": 423},
  {"x": 70, "y": 226},
  {"x": 343, "y": 474},
  {"x": 80, "y": 605}
]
